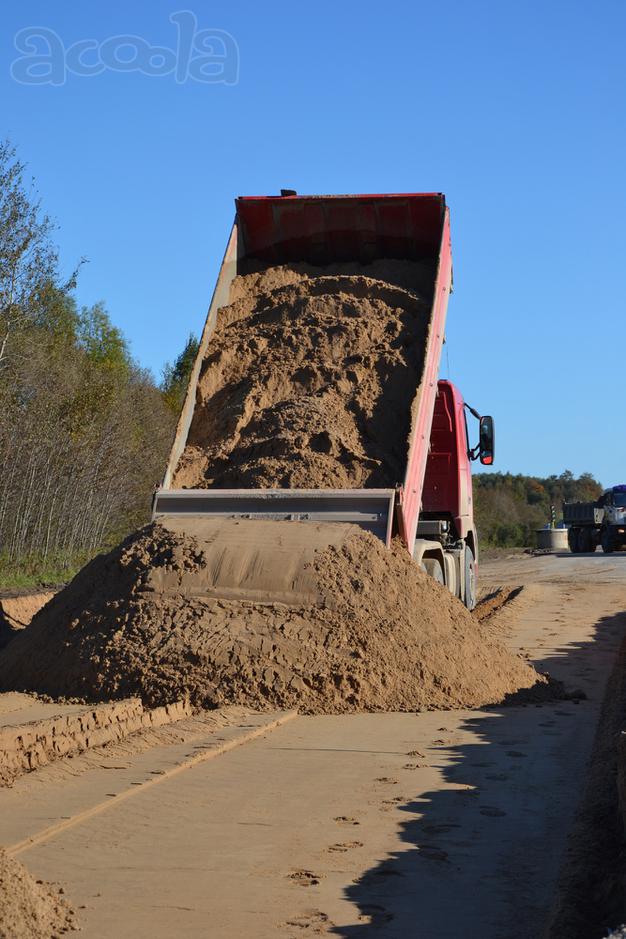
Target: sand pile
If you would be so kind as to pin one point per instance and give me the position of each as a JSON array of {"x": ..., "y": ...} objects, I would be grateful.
[
  {"x": 378, "y": 635},
  {"x": 310, "y": 379},
  {"x": 29, "y": 908}
]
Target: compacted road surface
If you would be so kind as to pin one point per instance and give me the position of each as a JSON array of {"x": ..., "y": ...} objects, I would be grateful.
[{"x": 441, "y": 824}]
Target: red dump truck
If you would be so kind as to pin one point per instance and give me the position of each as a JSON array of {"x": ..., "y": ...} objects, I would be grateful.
[{"x": 430, "y": 509}]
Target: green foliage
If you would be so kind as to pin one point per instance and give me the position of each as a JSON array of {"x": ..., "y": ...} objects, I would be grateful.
[
  {"x": 84, "y": 436},
  {"x": 176, "y": 375},
  {"x": 34, "y": 571},
  {"x": 57, "y": 312},
  {"x": 102, "y": 342},
  {"x": 84, "y": 432},
  {"x": 28, "y": 260},
  {"x": 508, "y": 509}
]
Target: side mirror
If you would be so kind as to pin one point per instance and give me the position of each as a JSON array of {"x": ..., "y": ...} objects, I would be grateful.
[{"x": 487, "y": 439}]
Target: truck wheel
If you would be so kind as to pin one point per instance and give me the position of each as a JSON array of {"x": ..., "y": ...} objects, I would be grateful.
[
  {"x": 572, "y": 539},
  {"x": 453, "y": 573},
  {"x": 470, "y": 578},
  {"x": 584, "y": 540},
  {"x": 606, "y": 540},
  {"x": 433, "y": 568}
]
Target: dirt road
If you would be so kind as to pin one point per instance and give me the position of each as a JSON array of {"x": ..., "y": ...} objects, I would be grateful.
[{"x": 441, "y": 824}]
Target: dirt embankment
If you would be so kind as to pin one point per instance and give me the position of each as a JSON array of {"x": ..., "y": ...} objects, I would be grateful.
[
  {"x": 29, "y": 908},
  {"x": 310, "y": 378},
  {"x": 379, "y": 636}
]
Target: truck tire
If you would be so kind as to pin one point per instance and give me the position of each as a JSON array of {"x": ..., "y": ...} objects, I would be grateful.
[
  {"x": 584, "y": 540},
  {"x": 572, "y": 539},
  {"x": 433, "y": 568},
  {"x": 469, "y": 598},
  {"x": 606, "y": 540},
  {"x": 453, "y": 573}
]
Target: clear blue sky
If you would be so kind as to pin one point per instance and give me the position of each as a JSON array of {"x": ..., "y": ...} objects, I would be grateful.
[{"x": 515, "y": 110}]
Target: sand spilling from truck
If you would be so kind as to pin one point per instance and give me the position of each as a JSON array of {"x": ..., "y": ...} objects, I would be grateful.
[
  {"x": 366, "y": 630},
  {"x": 29, "y": 908},
  {"x": 310, "y": 378}
]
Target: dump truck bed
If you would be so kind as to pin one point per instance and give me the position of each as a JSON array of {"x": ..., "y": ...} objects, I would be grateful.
[
  {"x": 323, "y": 230},
  {"x": 582, "y": 513}
]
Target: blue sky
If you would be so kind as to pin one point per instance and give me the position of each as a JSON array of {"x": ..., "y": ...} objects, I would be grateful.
[{"x": 515, "y": 110}]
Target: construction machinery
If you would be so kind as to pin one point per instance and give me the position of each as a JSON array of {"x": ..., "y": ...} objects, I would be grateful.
[
  {"x": 602, "y": 522},
  {"x": 431, "y": 508}
]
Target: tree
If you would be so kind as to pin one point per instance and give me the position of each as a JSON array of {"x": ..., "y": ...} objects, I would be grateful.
[
  {"x": 176, "y": 376},
  {"x": 103, "y": 342},
  {"x": 84, "y": 438},
  {"x": 84, "y": 431},
  {"x": 28, "y": 260}
]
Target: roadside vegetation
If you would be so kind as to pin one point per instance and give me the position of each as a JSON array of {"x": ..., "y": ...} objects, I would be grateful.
[
  {"x": 510, "y": 508},
  {"x": 84, "y": 430}
]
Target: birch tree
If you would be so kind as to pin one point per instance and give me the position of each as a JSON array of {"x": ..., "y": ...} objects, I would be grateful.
[{"x": 28, "y": 260}]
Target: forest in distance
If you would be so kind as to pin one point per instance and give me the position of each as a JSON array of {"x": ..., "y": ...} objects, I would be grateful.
[
  {"x": 510, "y": 508},
  {"x": 85, "y": 431}
]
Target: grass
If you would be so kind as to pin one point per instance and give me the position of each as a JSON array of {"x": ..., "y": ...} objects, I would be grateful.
[{"x": 32, "y": 572}]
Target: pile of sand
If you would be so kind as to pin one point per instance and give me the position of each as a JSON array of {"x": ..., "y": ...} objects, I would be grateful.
[
  {"x": 310, "y": 378},
  {"x": 29, "y": 908},
  {"x": 379, "y": 635}
]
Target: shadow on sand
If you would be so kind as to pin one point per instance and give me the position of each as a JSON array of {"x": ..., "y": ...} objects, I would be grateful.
[{"x": 482, "y": 856}]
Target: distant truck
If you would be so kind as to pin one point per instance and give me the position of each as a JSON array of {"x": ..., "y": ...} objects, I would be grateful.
[{"x": 597, "y": 523}]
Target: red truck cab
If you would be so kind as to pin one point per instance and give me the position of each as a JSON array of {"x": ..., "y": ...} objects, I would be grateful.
[{"x": 447, "y": 512}]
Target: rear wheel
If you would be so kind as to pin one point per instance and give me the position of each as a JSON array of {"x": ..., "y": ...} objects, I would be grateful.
[
  {"x": 572, "y": 539},
  {"x": 584, "y": 540},
  {"x": 433, "y": 568},
  {"x": 453, "y": 573},
  {"x": 470, "y": 578},
  {"x": 606, "y": 540}
]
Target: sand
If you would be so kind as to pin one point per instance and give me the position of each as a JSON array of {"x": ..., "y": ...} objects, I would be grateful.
[
  {"x": 17, "y": 610},
  {"x": 368, "y": 632},
  {"x": 310, "y": 379},
  {"x": 29, "y": 908}
]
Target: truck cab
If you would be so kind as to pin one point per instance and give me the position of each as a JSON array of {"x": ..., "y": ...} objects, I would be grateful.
[
  {"x": 447, "y": 513},
  {"x": 597, "y": 523},
  {"x": 613, "y": 531}
]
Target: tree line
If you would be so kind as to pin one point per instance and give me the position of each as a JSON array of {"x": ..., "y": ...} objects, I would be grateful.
[
  {"x": 509, "y": 508},
  {"x": 84, "y": 430}
]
